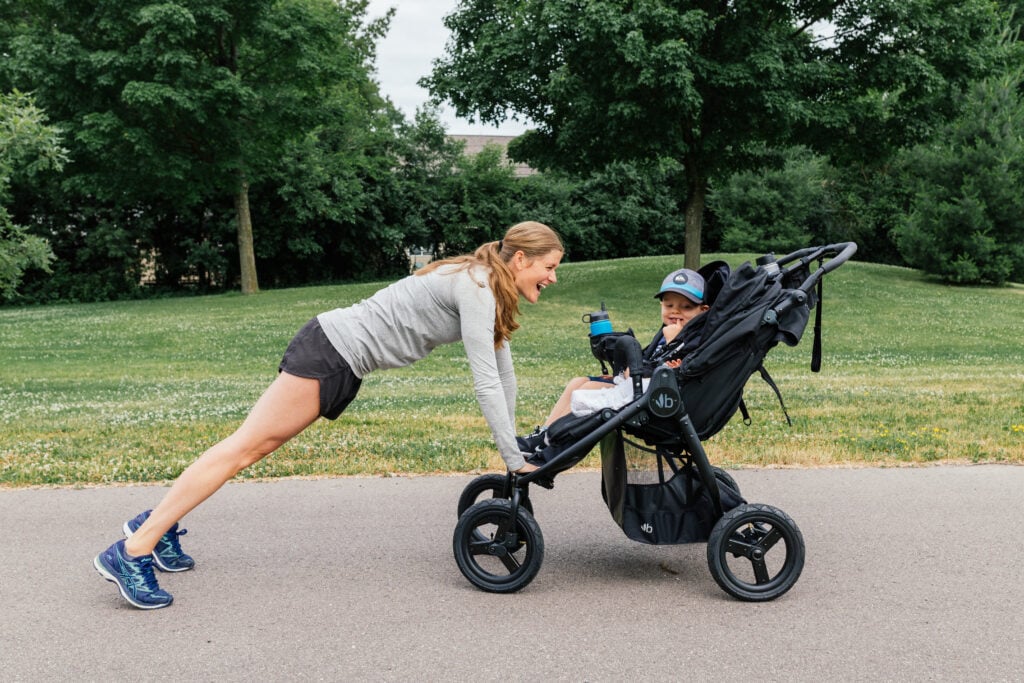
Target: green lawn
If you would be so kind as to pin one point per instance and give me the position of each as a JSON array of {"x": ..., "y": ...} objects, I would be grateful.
[{"x": 913, "y": 372}]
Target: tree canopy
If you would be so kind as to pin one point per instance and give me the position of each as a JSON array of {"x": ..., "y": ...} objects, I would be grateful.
[
  {"x": 966, "y": 223},
  {"x": 182, "y": 102},
  {"x": 709, "y": 84},
  {"x": 28, "y": 146}
]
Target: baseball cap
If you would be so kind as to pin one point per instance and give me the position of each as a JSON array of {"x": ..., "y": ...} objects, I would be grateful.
[{"x": 684, "y": 281}]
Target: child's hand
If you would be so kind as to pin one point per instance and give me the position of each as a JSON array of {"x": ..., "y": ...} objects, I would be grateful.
[
  {"x": 671, "y": 331},
  {"x": 674, "y": 363}
]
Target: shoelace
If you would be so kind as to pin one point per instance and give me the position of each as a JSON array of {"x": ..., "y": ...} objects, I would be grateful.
[
  {"x": 172, "y": 540},
  {"x": 145, "y": 572}
]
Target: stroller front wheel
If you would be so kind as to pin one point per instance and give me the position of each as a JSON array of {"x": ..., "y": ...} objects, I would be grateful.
[
  {"x": 496, "y": 553},
  {"x": 756, "y": 552},
  {"x": 494, "y": 484}
]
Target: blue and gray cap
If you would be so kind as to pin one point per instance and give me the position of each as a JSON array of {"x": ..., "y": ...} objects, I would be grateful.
[{"x": 684, "y": 281}]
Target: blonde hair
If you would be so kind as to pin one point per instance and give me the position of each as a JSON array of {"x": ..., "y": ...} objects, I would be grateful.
[{"x": 534, "y": 240}]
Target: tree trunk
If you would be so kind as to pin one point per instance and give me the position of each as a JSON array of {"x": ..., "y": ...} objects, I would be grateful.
[
  {"x": 246, "y": 253},
  {"x": 696, "y": 192}
]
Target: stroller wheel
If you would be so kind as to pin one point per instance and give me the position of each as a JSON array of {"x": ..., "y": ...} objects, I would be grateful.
[
  {"x": 487, "y": 483},
  {"x": 726, "y": 478},
  {"x": 756, "y": 552},
  {"x": 493, "y": 553}
]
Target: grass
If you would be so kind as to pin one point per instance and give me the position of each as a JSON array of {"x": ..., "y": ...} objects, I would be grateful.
[{"x": 914, "y": 372}]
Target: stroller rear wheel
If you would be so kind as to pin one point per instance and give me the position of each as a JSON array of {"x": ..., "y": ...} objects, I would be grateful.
[
  {"x": 487, "y": 483},
  {"x": 726, "y": 478},
  {"x": 494, "y": 552},
  {"x": 756, "y": 552}
]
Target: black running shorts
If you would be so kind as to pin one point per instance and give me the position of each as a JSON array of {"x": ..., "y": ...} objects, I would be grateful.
[{"x": 311, "y": 354}]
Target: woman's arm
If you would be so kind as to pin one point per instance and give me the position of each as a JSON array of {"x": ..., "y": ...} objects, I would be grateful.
[{"x": 493, "y": 374}]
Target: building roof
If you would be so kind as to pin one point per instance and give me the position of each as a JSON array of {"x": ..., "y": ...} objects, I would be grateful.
[{"x": 476, "y": 143}]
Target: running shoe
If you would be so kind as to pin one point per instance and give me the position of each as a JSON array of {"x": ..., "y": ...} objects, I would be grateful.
[
  {"x": 134, "y": 577},
  {"x": 167, "y": 555}
]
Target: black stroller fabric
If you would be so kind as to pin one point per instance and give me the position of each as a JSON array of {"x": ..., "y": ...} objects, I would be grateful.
[
  {"x": 726, "y": 345},
  {"x": 675, "y": 510},
  {"x": 562, "y": 433}
]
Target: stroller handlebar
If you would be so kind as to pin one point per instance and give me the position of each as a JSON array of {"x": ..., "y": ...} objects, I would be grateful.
[{"x": 840, "y": 253}]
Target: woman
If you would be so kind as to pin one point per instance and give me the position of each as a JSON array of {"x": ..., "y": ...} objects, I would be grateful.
[{"x": 472, "y": 298}]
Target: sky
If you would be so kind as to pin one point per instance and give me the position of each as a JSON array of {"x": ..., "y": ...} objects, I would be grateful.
[{"x": 415, "y": 39}]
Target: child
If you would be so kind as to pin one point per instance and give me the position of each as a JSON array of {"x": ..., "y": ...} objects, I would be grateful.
[{"x": 682, "y": 300}]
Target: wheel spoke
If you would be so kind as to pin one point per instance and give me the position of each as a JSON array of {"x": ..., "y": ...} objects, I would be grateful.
[
  {"x": 770, "y": 539},
  {"x": 761, "y": 575},
  {"x": 738, "y": 546},
  {"x": 511, "y": 563},
  {"x": 479, "y": 547}
]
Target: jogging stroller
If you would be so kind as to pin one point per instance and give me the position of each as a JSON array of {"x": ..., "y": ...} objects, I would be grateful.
[{"x": 656, "y": 478}]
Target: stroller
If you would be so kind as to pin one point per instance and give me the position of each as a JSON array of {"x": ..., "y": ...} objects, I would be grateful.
[{"x": 656, "y": 478}]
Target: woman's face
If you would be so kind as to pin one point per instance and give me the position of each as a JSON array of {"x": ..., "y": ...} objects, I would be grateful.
[{"x": 533, "y": 276}]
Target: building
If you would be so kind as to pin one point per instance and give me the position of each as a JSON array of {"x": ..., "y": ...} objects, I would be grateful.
[{"x": 476, "y": 143}]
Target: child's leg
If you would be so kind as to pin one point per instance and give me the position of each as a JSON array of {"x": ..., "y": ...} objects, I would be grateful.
[
  {"x": 564, "y": 404},
  {"x": 286, "y": 408}
]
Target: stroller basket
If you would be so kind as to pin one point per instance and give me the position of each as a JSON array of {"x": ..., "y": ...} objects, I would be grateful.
[
  {"x": 657, "y": 497},
  {"x": 656, "y": 478}
]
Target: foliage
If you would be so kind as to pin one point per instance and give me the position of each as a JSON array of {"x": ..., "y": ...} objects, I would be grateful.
[
  {"x": 627, "y": 209},
  {"x": 28, "y": 148},
  {"x": 710, "y": 84},
  {"x": 967, "y": 222},
  {"x": 134, "y": 391},
  {"x": 174, "y": 109},
  {"x": 799, "y": 197},
  {"x": 775, "y": 209}
]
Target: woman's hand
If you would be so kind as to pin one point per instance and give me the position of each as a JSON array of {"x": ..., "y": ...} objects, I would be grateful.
[{"x": 527, "y": 467}]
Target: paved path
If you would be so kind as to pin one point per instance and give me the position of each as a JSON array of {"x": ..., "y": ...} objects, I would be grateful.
[{"x": 911, "y": 575}]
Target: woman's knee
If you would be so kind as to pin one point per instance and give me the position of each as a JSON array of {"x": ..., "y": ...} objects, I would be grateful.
[{"x": 240, "y": 450}]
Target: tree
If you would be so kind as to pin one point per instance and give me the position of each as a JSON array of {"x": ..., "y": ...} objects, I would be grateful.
[
  {"x": 708, "y": 84},
  {"x": 774, "y": 209},
  {"x": 176, "y": 104},
  {"x": 967, "y": 220},
  {"x": 28, "y": 146}
]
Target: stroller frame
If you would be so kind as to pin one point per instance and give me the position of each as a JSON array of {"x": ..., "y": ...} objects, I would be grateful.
[{"x": 498, "y": 544}]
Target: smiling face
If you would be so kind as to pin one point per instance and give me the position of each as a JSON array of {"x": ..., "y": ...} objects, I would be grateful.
[
  {"x": 534, "y": 275},
  {"x": 676, "y": 309}
]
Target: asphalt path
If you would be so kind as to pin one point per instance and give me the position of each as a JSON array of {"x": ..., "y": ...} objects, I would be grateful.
[{"x": 911, "y": 575}]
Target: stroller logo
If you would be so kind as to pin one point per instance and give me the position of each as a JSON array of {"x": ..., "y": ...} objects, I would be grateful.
[
  {"x": 664, "y": 402},
  {"x": 647, "y": 528}
]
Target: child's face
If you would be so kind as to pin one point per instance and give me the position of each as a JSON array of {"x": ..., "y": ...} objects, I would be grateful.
[{"x": 676, "y": 309}]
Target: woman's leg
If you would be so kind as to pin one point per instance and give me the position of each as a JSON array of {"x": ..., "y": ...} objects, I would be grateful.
[{"x": 286, "y": 408}]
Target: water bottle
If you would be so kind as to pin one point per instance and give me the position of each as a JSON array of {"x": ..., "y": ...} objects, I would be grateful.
[
  {"x": 599, "y": 322},
  {"x": 769, "y": 264}
]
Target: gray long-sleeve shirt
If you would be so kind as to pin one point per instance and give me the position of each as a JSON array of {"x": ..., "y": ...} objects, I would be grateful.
[{"x": 403, "y": 322}]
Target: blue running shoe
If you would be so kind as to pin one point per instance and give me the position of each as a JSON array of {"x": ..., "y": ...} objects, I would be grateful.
[
  {"x": 134, "y": 577},
  {"x": 167, "y": 555}
]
